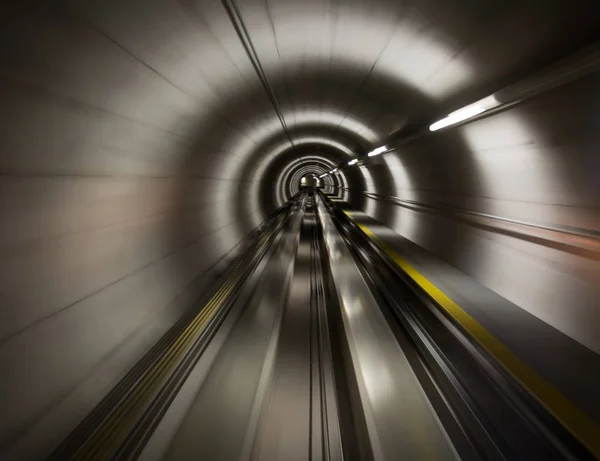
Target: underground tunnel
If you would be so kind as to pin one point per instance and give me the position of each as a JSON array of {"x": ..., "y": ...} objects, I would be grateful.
[{"x": 300, "y": 230}]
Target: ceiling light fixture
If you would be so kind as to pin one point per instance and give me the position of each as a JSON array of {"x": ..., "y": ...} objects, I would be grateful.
[
  {"x": 458, "y": 116},
  {"x": 379, "y": 150},
  {"x": 353, "y": 162}
]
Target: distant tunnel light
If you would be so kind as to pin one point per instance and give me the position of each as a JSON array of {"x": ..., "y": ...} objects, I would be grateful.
[
  {"x": 379, "y": 150},
  {"x": 353, "y": 162},
  {"x": 458, "y": 116}
]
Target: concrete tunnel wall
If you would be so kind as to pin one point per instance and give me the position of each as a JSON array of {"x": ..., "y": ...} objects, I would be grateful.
[
  {"x": 138, "y": 148},
  {"x": 532, "y": 164}
]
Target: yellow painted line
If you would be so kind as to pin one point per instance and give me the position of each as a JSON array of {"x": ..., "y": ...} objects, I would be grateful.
[
  {"x": 115, "y": 428},
  {"x": 117, "y": 425},
  {"x": 586, "y": 430}
]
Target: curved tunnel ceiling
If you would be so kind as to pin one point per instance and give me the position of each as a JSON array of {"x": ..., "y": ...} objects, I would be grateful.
[
  {"x": 346, "y": 74},
  {"x": 142, "y": 147}
]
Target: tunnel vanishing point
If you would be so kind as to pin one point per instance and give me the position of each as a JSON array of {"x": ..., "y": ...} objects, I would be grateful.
[{"x": 293, "y": 230}]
